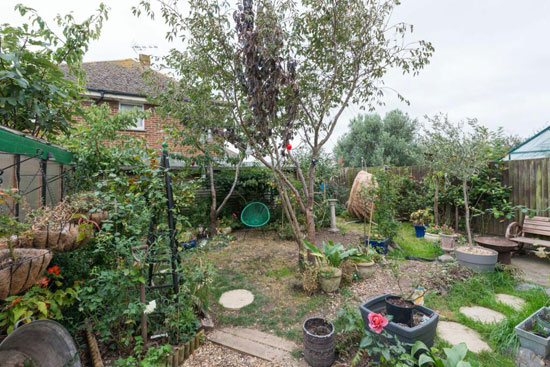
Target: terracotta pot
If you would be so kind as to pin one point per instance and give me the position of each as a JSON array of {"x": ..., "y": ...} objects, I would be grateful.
[
  {"x": 365, "y": 269},
  {"x": 329, "y": 279}
]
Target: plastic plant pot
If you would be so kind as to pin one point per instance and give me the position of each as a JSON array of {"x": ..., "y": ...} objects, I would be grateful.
[
  {"x": 528, "y": 339},
  {"x": 189, "y": 244},
  {"x": 479, "y": 262},
  {"x": 401, "y": 315},
  {"x": 380, "y": 246},
  {"x": 425, "y": 332},
  {"x": 420, "y": 231}
]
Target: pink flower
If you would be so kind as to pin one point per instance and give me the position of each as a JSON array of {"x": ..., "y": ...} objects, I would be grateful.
[{"x": 377, "y": 322}]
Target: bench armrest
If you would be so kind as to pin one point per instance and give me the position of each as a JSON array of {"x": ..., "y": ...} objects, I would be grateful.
[{"x": 513, "y": 230}]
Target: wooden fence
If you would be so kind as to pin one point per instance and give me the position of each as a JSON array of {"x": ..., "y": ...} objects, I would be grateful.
[{"x": 529, "y": 179}]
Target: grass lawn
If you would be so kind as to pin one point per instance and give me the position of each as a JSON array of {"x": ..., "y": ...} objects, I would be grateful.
[{"x": 480, "y": 290}]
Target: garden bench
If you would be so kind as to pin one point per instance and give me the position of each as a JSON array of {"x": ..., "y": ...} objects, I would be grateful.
[{"x": 531, "y": 226}]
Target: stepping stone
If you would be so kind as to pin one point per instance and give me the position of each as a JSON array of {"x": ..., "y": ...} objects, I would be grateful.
[
  {"x": 526, "y": 286},
  {"x": 446, "y": 258},
  {"x": 254, "y": 343},
  {"x": 482, "y": 314},
  {"x": 528, "y": 358},
  {"x": 236, "y": 299},
  {"x": 455, "y": 333},
  {"x": 515, "y": 302}
]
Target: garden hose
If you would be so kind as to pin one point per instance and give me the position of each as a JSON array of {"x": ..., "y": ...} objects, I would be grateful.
[{"x": 419, "y": 258}]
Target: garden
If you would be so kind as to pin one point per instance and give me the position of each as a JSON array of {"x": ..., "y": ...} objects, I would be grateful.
[{"x": 269, "y": 256}]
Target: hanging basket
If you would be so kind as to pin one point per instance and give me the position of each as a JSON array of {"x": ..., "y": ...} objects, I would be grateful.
[
  {"x": 56, "y": 240},
  {"x": 19, "y": 275}
]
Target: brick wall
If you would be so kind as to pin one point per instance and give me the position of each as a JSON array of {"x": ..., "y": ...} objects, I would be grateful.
[{"x": 153, "y": 134}]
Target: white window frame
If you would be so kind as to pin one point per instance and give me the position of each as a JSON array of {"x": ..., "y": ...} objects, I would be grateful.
[{"x": 140, "y": 123}]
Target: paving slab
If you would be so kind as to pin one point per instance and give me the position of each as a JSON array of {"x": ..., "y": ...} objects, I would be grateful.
[
  {"x": 482, "y": 314},
  {"x": 236, "y": 299},
  {"x": 255, "y": 343},
  {"x": 534, "y": 269},
  {"x": 515, "y": 302},
  {"x": 455, "y": 333}
]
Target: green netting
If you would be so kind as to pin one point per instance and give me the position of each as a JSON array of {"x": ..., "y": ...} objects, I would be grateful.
[{"x": 255, "y": 214}]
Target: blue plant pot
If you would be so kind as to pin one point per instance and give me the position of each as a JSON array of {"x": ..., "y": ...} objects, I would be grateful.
[
  {"x": 420, "y": 231},
  {"x": 187, "y": 245},
  {"x": 380, "y": 246}
]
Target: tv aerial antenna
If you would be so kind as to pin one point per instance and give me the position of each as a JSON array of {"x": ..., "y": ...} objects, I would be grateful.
[{"x": 141, "y": 48}]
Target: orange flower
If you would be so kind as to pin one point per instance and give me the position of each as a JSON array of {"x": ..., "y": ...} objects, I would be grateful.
[
  {"x": 44, "y": 282},
  {"x": 16, "y": 301},
  {"x": 54, "y": 270}
]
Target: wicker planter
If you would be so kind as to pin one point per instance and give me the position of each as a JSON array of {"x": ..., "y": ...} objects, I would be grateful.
[
  {"x": 56, "y": 240},
  {"x": 182, "y": 352},
  {"x": 19, "y": 275}
]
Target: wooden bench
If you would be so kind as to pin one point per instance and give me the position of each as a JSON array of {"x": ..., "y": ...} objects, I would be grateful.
[{"x": 531, "y": 226}]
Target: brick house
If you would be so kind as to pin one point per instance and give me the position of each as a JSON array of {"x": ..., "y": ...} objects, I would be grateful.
[{"x": 121, "y": 85}]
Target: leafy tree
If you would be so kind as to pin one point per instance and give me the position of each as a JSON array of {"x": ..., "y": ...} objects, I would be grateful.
[
  {"x": 289, "y": 69},
  {"x": 376, "y": 142},
  {"x": 35, "y": 96},
  {"x": 198, "y": 124},
  {"x": 461, "y": 150}
]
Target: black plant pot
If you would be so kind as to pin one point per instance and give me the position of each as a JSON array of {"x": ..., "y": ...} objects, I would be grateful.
[
  {"x": 424, "y": 332},
  {"x": 318, "y": 342},
  {"x": 401, "y": 315}
]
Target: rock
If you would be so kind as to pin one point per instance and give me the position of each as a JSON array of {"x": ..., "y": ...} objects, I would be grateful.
[
  {"x": 515, "y": 302},
  {"x": 455, "y": 333},
  {"x": 446, "y": 258},
  {"x": 207, "y": 323},
  {"x": 482, "y": 314},
  {"x": 528, "y": 358},
  {"x": 236, "y": 299},
  {"x": 525, "y": 286}
]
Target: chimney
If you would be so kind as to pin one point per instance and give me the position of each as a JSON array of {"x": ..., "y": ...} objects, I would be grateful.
[{"x": 145, "y": 60}]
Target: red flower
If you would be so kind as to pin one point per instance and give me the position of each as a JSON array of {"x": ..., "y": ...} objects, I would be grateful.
[
  {"x": 288, "y": 147},
  {"x": 43, "y": 282},
  {"x": 15, "y": 301},
  {"x": 377, "y": 322},
  {"x": 47, "y": 305},
  {"x": 54, "y": 270}
]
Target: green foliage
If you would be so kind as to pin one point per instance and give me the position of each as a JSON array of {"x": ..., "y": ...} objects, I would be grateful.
[
  {"x": 385, "y": 197},
  {"x": 47, "y": 300},
  {"x": 421, "y": 217},
  {"x": 35, "y": 96},
  {"x": 372, "y": 141},
  {"x": 454, "y": 357},
  {"x": 153, "y": 357},
  {"x": 334, "y": 254}
]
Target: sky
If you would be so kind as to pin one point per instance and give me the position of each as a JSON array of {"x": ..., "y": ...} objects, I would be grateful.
[{"x": 491, "y": 59}]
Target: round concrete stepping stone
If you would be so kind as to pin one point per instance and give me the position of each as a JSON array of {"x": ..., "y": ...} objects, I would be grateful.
[
  {"x": 455, "y": 333},
  {"x": 482, "y": 314},
  {"x": 515, "y": 302},
  {"x": 236, "y": 299}
]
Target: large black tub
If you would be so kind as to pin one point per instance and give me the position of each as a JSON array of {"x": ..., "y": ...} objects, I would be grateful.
[{"x": 424, "y": 332}]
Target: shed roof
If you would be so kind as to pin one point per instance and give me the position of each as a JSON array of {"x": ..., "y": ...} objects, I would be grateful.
[{"x": 537, "y": 146}]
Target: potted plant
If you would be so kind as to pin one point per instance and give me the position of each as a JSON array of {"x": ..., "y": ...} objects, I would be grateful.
[
  {"x": 432, "y": 234},
  {"x": 448, "y": 238},
  {"x": 378, "y": 242},
  {"x": 419, "y": 219},
  {"x": 187, "y": 239},
  {"x": 534, "y": 332},
  {"x": 365, "y": 268},
  {"x": 475, "y": 257},
  {"x": 319, "y": 342},
  {"x": 330, "y": 259}
]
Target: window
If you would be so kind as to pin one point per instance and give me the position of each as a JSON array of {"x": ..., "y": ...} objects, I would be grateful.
[{"x": 140, "y": 124}]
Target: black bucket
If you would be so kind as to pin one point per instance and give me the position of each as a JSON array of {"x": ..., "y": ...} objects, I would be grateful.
[
  {"x": 318, "y": 349},
  {"x": 401, "y": 315}
]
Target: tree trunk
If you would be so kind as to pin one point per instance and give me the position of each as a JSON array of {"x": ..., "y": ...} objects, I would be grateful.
[
  {"x": 213, "y": 203},
  {"x": 467, "y": 211},
  {"x": 436, "y": 202}
]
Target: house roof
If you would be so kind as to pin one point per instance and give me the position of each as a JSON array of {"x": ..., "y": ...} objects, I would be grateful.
[
  {"x": 537, "y": 146},
  {"x": 127, "y": 77}
]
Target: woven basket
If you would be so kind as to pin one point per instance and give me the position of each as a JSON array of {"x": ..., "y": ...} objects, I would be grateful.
[
  {"x": 358, "y": 205},
  {"x": 55, "y": 240},
  {"x": 19, "y": 275}
]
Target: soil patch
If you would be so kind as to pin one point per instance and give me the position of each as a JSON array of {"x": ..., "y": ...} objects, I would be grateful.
[
  {"x": 475, "y": 250},
  {"x": 400, "y": 302}
]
